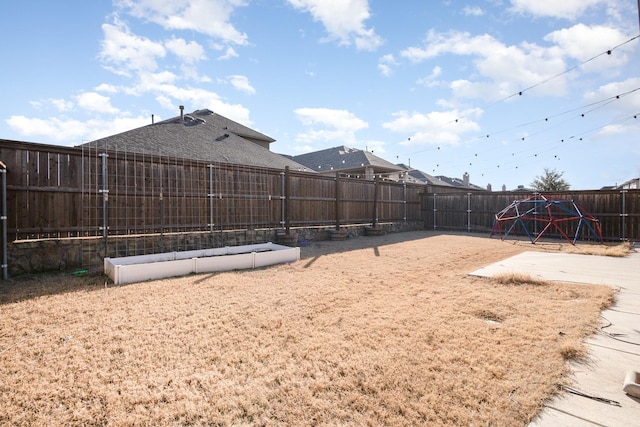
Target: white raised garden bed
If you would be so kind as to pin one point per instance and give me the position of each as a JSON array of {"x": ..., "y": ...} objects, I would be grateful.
[{"x": 170, "y": 264}]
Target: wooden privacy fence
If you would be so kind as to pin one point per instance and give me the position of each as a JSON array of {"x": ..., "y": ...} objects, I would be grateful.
[
  {"x": 123, "y": 203},
  {"x": 56, "y": 192},
  {"x": 618, "y": 211}
]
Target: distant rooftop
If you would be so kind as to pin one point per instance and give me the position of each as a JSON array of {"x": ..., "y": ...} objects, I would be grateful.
[{"x": 345, "y": 159}]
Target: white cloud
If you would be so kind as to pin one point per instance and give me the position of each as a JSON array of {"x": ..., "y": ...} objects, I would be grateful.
[
  {"x": 123, "y": 51},
  {"x": 228, "y": 54},
  {"x": 508, "y": 68},
  {"x": 210, "y": 17},
  {"x": 473, "y": 11},
  {"x": 242, "y": 84},
  {"x": 456, "y": 42},
  {"x": 568, "y": 9},
  {"x": 197, "y": 98},
  {"x": 58, "y": 103},
  {"x": 374, "y": 146},
  {"x": 343, "y": 20},
  {"x": 73, "y": 132},
  {"x": 338, "y": 119},
  {"x": 189, "y": 52},
  {"x": 629, "y": 101},
  {"x": 386, "y": 64},
  {"x": 62, "y": 104},
  {"x": 95, "y": 102},
  {"x": 342, "y": 126},
  {"x": 437, "y": 127},
  {"x": 431, "y": 79},
  {"x": 582, "y": 42},
  {"x": 105, "y": 87},
  {"x": 149, "y": 82}
]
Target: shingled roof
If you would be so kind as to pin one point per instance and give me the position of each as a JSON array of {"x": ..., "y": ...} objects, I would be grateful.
[
  {"x": 345, "y": 159},
  {"x": 201, "y": 135},
  {"x": 423, "y": 177}
]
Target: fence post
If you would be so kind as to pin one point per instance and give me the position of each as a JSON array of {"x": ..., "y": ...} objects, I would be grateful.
[
  {"x": 468, "y": 212},
  {"x": 105, "y": 202},
  {"x": 287, "y": 199},
  {"x": 374, "y": 221},
  {"x": 337, "y": 200},
  {"x": 623, "y": 214},
  {"x": 3, "y": 218},
  {"x": 404, "y": 201},
  {"x": 210, "y": 195},
  {"x": 282, "y": 198},
  {"x": 161, "y": 199},
  {"x": 434, "y": 211}
]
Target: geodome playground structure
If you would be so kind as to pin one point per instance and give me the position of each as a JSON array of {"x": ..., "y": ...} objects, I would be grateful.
[{"x": 537, "y": 212}]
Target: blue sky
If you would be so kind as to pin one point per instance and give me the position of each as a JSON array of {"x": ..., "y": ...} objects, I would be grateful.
[{"x": 433, "y": 84}]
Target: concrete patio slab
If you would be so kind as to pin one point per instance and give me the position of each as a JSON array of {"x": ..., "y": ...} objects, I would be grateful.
[{"x": 612, "y": 353}]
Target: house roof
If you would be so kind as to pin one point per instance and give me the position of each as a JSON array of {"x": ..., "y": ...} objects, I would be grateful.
[
  {"x": 456, "y": 182},
  {"x": 343, "y": 158},
  {"x": 202, "y": 135},
  {"x": 423, "y": 177}
]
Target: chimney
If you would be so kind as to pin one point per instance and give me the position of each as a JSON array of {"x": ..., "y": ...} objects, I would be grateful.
[
  {"x": 152, "y": 119},
  {"x": 182, "y": 113},
  {"x": 465, "y": 179}
]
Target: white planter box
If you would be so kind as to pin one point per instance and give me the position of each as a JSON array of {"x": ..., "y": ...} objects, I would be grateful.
[{"x": 170, "y": 264}]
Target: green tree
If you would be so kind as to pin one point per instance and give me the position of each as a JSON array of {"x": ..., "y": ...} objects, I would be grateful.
[{"x": 551, "y": 180}]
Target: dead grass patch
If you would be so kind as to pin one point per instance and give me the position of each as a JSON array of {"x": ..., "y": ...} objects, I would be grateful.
[
  {"x": 383, "y": 330},
  {"x": 608, "y": 249},
  {"x": 519, "y": 279}
]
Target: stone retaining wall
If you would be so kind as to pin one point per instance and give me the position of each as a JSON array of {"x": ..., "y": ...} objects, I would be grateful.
[{"x": 34, "y": 256}]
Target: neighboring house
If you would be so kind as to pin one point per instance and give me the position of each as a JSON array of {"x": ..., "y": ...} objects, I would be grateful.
[
  {"x": 417, "y": 176},
  {"x": 522, "y": 188},
  {"x": 350, "y": 162},
  {"x": 461, "y": 183},
  {"x": 632, "y": 184},
  {"x": 201, "y": 135}
]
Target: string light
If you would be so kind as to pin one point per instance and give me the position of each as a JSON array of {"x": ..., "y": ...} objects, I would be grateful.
[{"x": 548, "y": 118}]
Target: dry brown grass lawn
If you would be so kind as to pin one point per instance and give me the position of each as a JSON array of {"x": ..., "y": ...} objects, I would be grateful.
[{"x": 383, "y": 330}]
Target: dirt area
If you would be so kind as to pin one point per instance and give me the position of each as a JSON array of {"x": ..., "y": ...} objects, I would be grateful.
[{"x": 380, "y": 330}]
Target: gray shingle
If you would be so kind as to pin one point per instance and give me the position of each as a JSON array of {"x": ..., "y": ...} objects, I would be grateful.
[{"x": 345, "y": 159}]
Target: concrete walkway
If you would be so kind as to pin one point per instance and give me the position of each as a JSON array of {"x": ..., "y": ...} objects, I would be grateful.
[{"x": 612, "y": 352}]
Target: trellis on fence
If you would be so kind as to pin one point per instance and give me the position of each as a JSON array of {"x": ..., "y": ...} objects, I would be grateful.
[{"x": 57, "y": 192}]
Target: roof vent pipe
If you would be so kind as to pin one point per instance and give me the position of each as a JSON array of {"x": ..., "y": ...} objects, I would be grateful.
[
  {"x": 152, "y": 119},
  {"x": 182, "y": 113}
]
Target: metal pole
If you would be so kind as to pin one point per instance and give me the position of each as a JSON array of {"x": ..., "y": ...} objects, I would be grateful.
[
  {"x": 337, "y": 206},
  {"x": 468, "y": 212},
  {"x": 623, "y": 215},
  {"x": 287, "y": 198},
  {"x": 3, "y": 217},
  {"x": 404, "y": 195},
  {"x": 375, "y": 201},
  {"x": 434, "y": 211},
  {"x": 210, "y": 195},
  {"x": 282, "y": 198},
  {"x": 105, "y": 200}
]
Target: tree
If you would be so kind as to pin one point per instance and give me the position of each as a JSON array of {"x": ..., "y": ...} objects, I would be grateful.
[{"x": 551, "y": 180}]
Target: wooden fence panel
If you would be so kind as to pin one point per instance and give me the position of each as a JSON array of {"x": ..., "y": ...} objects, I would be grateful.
[
  {"x": 312, "y": 199},
  {"x": 631, "y": 216},
  {"x": 475, "y": 212}
]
